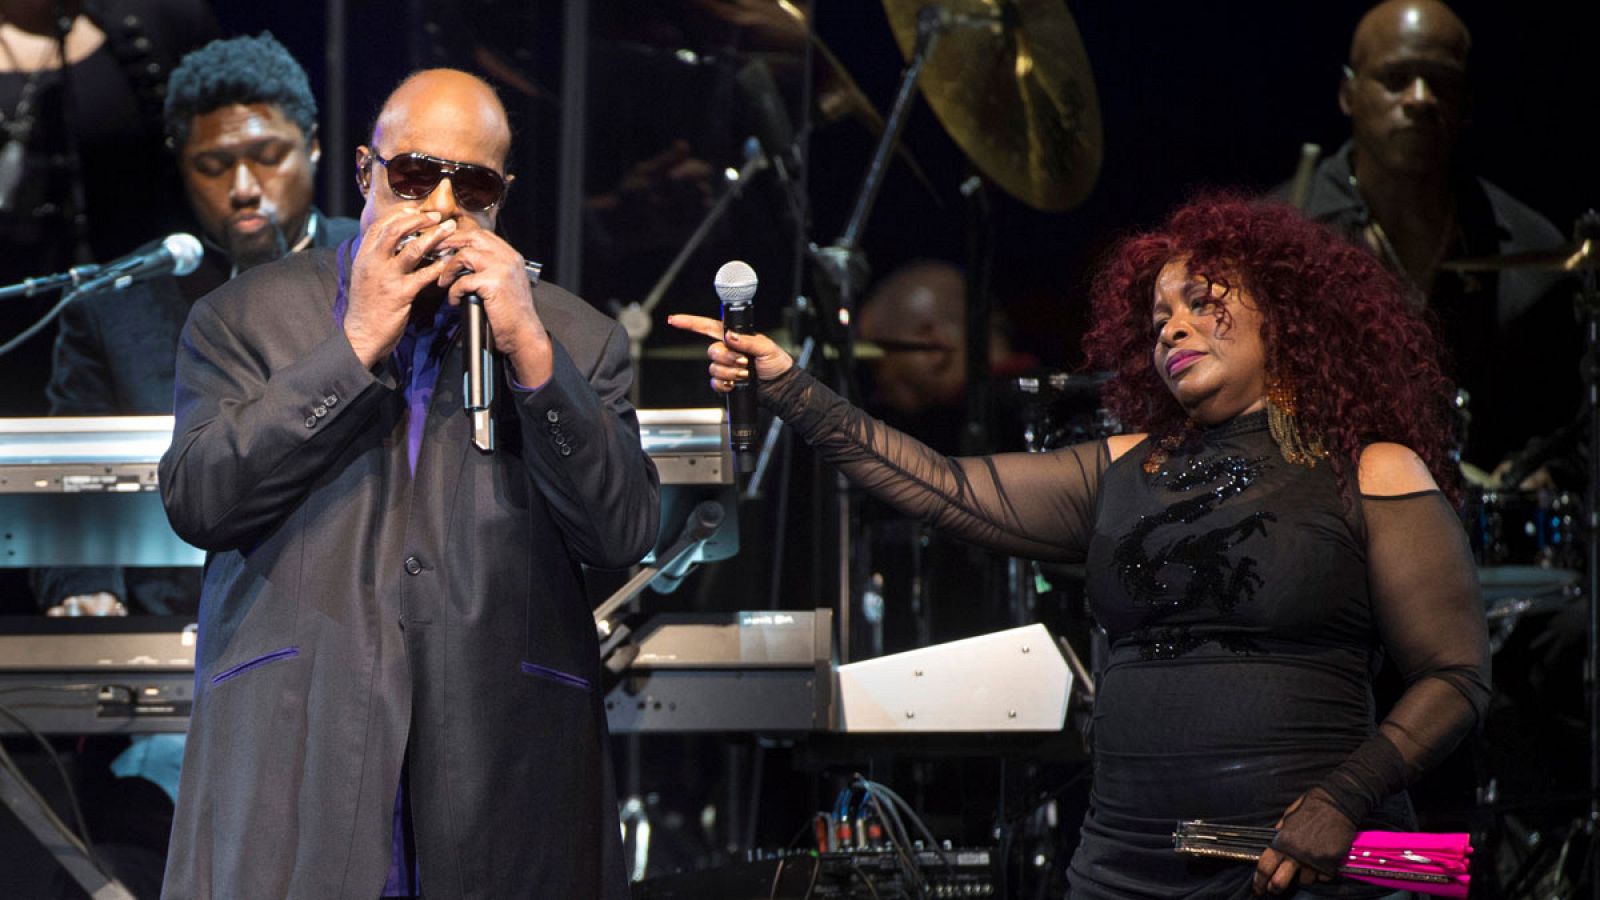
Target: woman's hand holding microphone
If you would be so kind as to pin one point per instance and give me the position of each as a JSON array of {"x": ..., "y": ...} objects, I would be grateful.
[{"x": 732, "y": 354}]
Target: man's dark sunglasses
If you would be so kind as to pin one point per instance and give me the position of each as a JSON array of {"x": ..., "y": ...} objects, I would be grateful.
[{"x": 416, "y": 175}]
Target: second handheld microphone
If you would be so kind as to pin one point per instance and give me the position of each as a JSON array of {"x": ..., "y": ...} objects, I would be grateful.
[{"x": 736, "y": 287}]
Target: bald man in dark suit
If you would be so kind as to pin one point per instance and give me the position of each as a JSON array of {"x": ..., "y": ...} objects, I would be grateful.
[{"x": 396, "y": 679}]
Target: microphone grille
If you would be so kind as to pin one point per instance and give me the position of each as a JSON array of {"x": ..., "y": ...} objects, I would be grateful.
[
  {"x": 185, "y": 251},
  {"x": 736, "y": 283}
]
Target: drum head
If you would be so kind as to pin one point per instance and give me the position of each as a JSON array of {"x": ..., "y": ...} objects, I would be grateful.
[{"x": 1532, "y": 585}]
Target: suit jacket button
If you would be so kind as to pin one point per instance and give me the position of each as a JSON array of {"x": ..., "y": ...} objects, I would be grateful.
[
  {"x": 552, "y": 416},
  {"x": 566, "y": 449},
  {"x": 331, "y": 400},
  {"x": 320, "y": 411},
  {"x": 413, "y": 566},
  {"x": 311, "y": 421}
]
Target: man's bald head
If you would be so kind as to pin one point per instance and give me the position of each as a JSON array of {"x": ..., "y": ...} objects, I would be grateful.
[
  {"x": 916, "y": 296},
  {"x": 1405, "y": 89},
  {"x": 459, "y": 102},
  {"x": 1422, "y": 23},
  {"x": 443, "y": 113},
  {"x": 922, "y": 304}
]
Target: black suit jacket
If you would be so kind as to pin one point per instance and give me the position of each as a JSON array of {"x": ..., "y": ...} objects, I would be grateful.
[
  {"x": 355, "y": 615},
  {"x": 114, "y": 356}
]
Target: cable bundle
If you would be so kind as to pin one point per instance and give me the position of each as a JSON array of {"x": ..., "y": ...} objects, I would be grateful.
[{"x": 878, "y": 810}]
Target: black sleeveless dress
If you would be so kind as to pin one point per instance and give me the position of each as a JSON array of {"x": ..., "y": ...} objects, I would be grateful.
[{"x": 1248, "y": 607}]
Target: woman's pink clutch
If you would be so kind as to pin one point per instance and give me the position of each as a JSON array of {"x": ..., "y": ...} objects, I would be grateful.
[{"x": 1403, "y": 860}]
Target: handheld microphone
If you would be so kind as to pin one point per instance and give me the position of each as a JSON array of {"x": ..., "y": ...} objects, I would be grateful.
[
  {"x": 176, "y": 254},
  {"x": 477, "y": 382},
  {"x": 736, "y": 287},
  {"x": 477, "y": 395}
]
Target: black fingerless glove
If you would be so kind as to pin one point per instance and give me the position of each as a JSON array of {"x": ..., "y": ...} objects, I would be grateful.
[{"x": 1316, "y": 834}]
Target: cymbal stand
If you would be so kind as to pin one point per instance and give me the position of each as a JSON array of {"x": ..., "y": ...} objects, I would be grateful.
[
  {"x": 840, "y": 261},
  {"x": 843, "y": 269},
  {"x": 637, "y": 317}
]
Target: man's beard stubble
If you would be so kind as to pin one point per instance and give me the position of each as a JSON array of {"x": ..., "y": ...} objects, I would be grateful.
[{"x": 250, "y": 250}]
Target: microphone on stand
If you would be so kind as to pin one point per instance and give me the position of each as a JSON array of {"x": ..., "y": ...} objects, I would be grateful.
[
  {"x": 773, "y": 127},
  {"x": 736, "y": 287},
  {"x": 176, "y": 254}
]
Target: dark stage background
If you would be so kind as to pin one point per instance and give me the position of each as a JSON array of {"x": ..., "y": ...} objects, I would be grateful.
[{"x": 1192, "y": 95}]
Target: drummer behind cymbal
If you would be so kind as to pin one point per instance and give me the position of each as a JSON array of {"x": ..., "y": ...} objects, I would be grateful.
[
  {"x": 1399, "y": 188},
  {"x": 917, "y": 315}
]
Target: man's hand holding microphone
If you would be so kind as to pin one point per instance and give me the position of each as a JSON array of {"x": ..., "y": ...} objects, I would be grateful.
[{"x": 409, "y": 250}]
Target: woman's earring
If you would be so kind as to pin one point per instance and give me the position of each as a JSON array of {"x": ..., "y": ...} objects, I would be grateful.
[{"x": 1295, "y": 446}]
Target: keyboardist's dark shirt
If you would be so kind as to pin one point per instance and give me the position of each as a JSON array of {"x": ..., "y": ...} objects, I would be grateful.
[{"x": 115, "y": 355}]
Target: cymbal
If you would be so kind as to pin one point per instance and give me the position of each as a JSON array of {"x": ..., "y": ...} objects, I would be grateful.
[
  {"x": 1016, "y": 94},
  {"x": 1570, "y": 258}
]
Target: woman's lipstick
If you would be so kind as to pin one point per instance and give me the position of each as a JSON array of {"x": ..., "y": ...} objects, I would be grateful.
[{"x": 1180, "y": 360}]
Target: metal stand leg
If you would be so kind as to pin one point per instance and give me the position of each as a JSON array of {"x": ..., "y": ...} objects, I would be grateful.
[{"x": 42, "y": 823}]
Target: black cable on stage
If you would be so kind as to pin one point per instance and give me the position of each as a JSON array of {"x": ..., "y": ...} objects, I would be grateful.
[
  {"x": 901, "y": 843},
  {"x": 61, "y": 769},
  {"x": 36, "y": 327},
  {"x": 933, "y": 843},
  {"x": 777, "y": 876}
]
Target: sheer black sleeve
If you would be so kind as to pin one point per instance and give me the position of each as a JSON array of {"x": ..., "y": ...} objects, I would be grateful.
[
  {"x": 1035, "y": 505},
  {"x": 1430, "y": 618}
]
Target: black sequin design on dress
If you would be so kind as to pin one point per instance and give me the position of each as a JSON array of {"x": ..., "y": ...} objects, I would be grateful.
[{"x": 1213, "y": 579}]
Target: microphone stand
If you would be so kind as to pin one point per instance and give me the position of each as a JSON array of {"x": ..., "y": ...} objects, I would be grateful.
[
  {"x": 617, "y": 654},
  {"x": 843, "y": 270},
  {"x": 637, "y": 318},
  {"x": 70, "y": 280},
  {"x": 44, "y": 320},
  {"x": 76, "y": 857},
  {"x": 671, "y": 566}
]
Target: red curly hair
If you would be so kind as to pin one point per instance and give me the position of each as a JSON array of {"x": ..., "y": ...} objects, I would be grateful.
[{"x": 1336, "y": 325}]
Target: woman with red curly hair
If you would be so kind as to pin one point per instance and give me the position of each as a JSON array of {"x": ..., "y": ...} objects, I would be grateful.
[{"x": 1273, "y": 530}]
